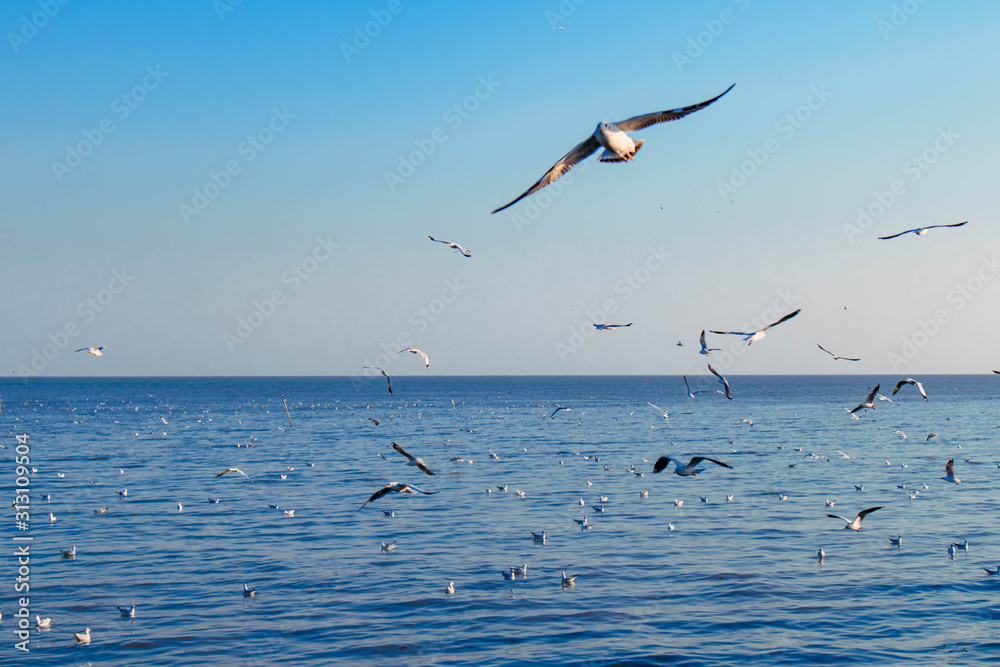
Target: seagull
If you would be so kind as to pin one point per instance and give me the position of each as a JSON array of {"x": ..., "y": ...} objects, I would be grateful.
[
  {"x": 387, "y": 378},
  {"x": 386, "y": 548},
  {"x": 96, "y": 351},
  {"x": 951, "y": 550},
  {"x": 988, "y": 571},
  {"x": 127, "y": 611},
  {"x": 913, "y": 382},
  {"x": 123, "y": 493},
  {"x": 831, "y": 503},
  {"x": 752, "y": 336},
  {"x": 389, "y": 513},
  {"x": 820, "y": 555},
  {"x": 729, "y": 498},
  {"x": 899, "y": 433},
  {"x": 662, "y": 411},
  {"x": 453, "y": 246},
  {"x": 538, "y": 537},
  {"x": 43, "y": 622},
  {"x": 508, "y": 576},
  {"x": 249, "y": 592},
  {"x": 427, "y": 362},
  {"x": 520, "y": 571},
  {"x": 414, "y": 460},
  {"x": 214, "y": 501},
  {"x": 896, "y": 541},
  {"x": 609, "y": 327},
  {"x": 835, "y": 357},
  {"x": 569, "y": 581},
  {"x": 705, "y": 349},
  {"x": 869, "y": 402},
  {"x": 920, "y": 231},
  {"x": 557, "y": 410},
  {"x": 52, "y": 517},
  {"x": 398, "y": 487},
  {"x": 961, "y": 545},
  {"x": 929, "y": 436},
  {"x": 745, "y": 421},
  {"x": 180, "y": 507},
  {"x": 859, "y": 487},
  {"x": 618, "y": 146},
  {"x": 842, "y": 454},
  {"x": 289, "y": 513},
  {"x": 678, "y": 503},
  {"x": 82, "y": 637},
  {"x": 949, "y": 473},
  {"x": 103, "y": 510},
  {"x": 729, "y": 393},
  {"x": 689, "y": 469},
  {"x": 450, "y": 588},
  {"x": 236, "y": 470},
  {"x": 856, "y": 523}
]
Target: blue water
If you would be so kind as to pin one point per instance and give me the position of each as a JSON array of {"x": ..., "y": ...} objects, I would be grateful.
[{"x": 735, "y": 583}]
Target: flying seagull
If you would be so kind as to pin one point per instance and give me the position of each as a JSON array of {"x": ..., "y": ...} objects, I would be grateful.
[
  {"x": 399, "y": 487},
  {"x": 414, "y": 460},
  {"x": 662, "y": 411},
  {"x": 452, "y": 245},
  {"x": 753, "y": 336},
  {"x": 613, "y": 137},
  {"x": 705, "y": 349},
  {"x": 387, "y": 378},
  {"x": 835, "y": 357},
  {"x": 949, "y": 472},
  {"x": 96, "y": 351},
  {"x": 413, "y": 350},
  {"x": 558, "y": 409},
  {"x": 869, "y": 402},
  {"x": 609, "y": 327},
  {"x": 236, "y": 470},
  {"x": 855, "y": 524},
  {"x": 689, "y": 469},
  {"x": 729, "y": 394},
  {"x": 920, "y": 231},
  {"x": 913, "y": 382}
]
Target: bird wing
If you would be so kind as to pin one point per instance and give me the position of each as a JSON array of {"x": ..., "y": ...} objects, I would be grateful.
[
  {"x": 409, "y": 488},
  {"x": 886, "y": 238},
  {"x": 837, "y": 516},
  {"x": 687, "y": 386},
  {"x": 826, "y": 350},
  {"x": 661, "y": 463},
  {"x": 725, "y": 383},
  {"x": 957, "y": 224},
  {"x": 658, "y": 408},
  {"x": 849, "y": 358},
  {"x": 462, "y": 250},
  {"x": 640, "y": 122},
  {"x": 948, "y": 469},
  {"x": 704, "y": 346},
  {"x": 898, "y": 385},
  {"x": 436, "y": 240},
  {"x": 401, "y": 451},
  {"x": 698, "y": 459},
  {"x": 863, "y": 513},
  {"x": 388, "y": 381},
  {"x": 920, "y": 386},
  {"x": 375, "y": 496},
  {"x": 582, "y": 150},
  {"x": 871, "y": 396},
  {"x": 786, "y": 317},
  {"x": 734, "y": 333},
  {"x": 427, "y": 362}
]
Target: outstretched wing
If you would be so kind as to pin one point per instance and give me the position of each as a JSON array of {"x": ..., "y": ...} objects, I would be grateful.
[
  {"x": 725, "y": 383},
  {"x": 837, "y": 516},
  {"x": 733, "y": 333},
  {"x": 583, "y": 150},
  {"x": 786, "y": 317},
  {"x": 409, "y": 488},
  {"x": 871, "y": 396},
  {"x": 698, "y": 459},
  {"x": 863, "y": 513},
  {"x": 401, "y": 451},
  {"x": 898, "y": 385},
  {"x": 886, "y": 238},
  {"x": 640, "y": 122},
  {"x": 375, "y": 496},
  {"x": 661, "y": 463},
  {"x": 957, "y": 224}
]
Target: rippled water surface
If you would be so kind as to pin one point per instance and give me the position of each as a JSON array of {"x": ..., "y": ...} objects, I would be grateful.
[{"x": 732, "y": 583}]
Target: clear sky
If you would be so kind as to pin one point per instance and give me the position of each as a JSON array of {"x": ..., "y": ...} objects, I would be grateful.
[{"x": 247, "y": 188}]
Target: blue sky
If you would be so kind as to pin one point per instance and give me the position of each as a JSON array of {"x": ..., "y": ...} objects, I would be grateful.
[{"x": 221, "y": 188}]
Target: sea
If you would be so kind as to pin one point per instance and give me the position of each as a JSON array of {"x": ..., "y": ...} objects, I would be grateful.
[{"x": 720, "y": 568}]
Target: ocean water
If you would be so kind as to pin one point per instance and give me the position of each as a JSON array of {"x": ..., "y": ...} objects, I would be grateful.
[{"x": 733, "y": 583}]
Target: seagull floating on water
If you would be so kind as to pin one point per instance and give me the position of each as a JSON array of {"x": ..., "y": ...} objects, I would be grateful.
[
  {"x": 413, "y": 460},
  {"x": 896, "y": 541},
  {"x": 920, "y": 231},
  {"x": 453, "y": 246},
  {"x": 82, "y": 637},
  {"x": 855, "y": 524},
  {"x": 450, "y": 588},
  {"x": 386, "y": 548},
  {"x": 752, "y": 336},
  {"x": 686, "y": 470},
  {"x": 569, "y": 581},
  {"x": 249, "y": 592},
  {"x": 43, "y": 622},
  {"x": 613, "y": 137},
  {"x": 127, "y": 611}
]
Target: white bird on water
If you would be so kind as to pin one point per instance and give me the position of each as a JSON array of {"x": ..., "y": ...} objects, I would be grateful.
[
  {"x": 43, "y": 622},
  {"x": 820, "y": 555},
  {"x": 386, "y": 548},
  {"x": 896, "y": 541},
  {"x": 569, "y": 581},
  {"x": 453, "y": 246},
  {"x": 82, "y": 637},
  {"x": 128, "y": 612},
  {"x": 613, "y": 137},
  {"x": 249, "y": 592},
  {"x": 753, "y": 336},
  {"x": 450, "y": 588},
  {"x": 71, "y": 553},
  {"x": 855, "y": 524}
]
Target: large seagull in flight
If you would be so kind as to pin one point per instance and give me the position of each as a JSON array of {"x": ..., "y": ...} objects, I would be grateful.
[{"x": 613, "y": 137}]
